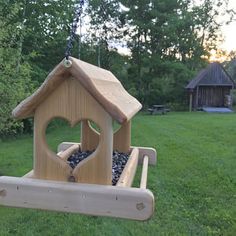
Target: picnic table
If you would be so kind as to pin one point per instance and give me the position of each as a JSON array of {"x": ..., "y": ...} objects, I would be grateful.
[{"x": 158, "y": 109}]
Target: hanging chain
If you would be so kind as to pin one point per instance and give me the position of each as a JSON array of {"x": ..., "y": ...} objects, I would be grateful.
[{"x": 78, "y": 13}]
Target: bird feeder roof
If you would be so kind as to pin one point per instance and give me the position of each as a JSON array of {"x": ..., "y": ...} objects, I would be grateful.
[{"x": 101, "y": 84}]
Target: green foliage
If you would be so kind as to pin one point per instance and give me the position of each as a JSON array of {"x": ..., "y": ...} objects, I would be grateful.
[
  {"x": 14, "y": 76},
  {"x": 169, "y": 41},
  {"x": 194, "y": 182}
]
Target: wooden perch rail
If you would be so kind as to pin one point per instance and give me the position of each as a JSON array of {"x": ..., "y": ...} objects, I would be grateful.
[
  {"x": 68, "y": 152},
  {"x": 127, "y": 176},
  {"x": 143, "y": 182}
]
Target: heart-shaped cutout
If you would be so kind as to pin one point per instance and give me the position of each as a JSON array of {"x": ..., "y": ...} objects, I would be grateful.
[{"x": 59, "y": 131}]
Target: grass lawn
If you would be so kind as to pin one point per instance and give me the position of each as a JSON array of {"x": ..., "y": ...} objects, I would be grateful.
[{"x": 194, "y": 182}]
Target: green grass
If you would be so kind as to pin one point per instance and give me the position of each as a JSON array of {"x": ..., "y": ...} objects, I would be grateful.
[{"x": 194, "y": 182}]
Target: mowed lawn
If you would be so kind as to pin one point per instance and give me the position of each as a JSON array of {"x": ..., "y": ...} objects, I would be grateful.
[{"x": 194, "y": 182}]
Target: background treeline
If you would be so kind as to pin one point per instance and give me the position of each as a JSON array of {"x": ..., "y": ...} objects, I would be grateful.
[{"x": 168, "y": 42}]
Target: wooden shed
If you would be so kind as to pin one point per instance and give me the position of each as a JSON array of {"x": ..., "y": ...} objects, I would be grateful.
[{"x": 210, "y": 87}]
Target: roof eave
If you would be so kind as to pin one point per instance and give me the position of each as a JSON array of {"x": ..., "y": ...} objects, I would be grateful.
[{"x": 120, "y": 113}]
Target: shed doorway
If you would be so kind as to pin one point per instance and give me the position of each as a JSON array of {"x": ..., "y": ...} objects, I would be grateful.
[{"x": 212, "y": 96}]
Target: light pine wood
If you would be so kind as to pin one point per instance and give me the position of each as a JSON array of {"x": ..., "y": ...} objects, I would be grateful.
[
  {"x": 68, "y": 152},
  {"x": 143, "y": 182},
  {"x": 66, "y": 102},
  {"x": 127, "y": 176},
  {"x": 122, "y": 138},
  {"x": 27, "y": 107},
  {"x": 65, "y": 145},
  {"x": 89, "y": 136},
  {"x": 59, "y": 153},
  {"x": 30, "y": 174},
  {"x": 100, "y": 83},
  {"x": 147, "y": 151},
  {"x": 99, "y": 162},
  {"x": 100, "y": 200},
  {"x": 106, "y": 89},
  {"x": 82, "y": 93}
]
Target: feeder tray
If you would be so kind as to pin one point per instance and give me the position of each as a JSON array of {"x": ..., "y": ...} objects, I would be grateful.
[{"x": 82, "y": 92}]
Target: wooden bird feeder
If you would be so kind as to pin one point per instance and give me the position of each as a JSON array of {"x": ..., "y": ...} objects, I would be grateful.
[{"x": 82, "y": 93}]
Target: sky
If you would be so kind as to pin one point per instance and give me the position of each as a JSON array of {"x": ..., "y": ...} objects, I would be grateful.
[{"x": 229, "y": 32}]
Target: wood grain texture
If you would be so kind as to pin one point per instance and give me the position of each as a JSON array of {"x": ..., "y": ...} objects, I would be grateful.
[
  {"x": 147, "y": 151},
  {"x": 101, "y": 84},
  {"x": 89, "y": 136},
  {"x": 67, "y": 103},
  {"x": 127, "y": 176},
  {"x": 143, "y": 182},
  {"x": 122, "y": 138},
  {"x": 68, "y": 152},
  {"x": 97, "y": 168},
  {"x": 100, "y": 200}
]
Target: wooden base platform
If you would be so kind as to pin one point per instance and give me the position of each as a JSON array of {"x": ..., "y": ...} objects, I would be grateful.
[
  {"x": 100, "y": 200},
  {"x": 121, "y": 201}
]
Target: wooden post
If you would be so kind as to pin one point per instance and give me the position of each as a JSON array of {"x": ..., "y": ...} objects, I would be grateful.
[
  {"x": 197, "y": 97},
  {"x": 190, "y": 101},
  {"x": 89, "y": 136},
  {"x": 122, "y": 138}
]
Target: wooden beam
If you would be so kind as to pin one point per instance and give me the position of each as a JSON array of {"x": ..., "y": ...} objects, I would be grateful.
[
  {"x": 190, "y": 101},
  {"x": 122, "y": 138},
  {"x": 68, "y": 152},
  {"x": 197, "y": 97},
  {"x": 143, "y": 182},
  {"x": 127, "y": 176},
  {"x": 100, "y": 200}
]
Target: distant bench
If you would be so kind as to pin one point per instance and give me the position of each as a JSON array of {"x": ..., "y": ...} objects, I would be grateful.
[{"x": 158, "y": 109}]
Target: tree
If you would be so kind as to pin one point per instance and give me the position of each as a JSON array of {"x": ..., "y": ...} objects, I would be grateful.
[
  {"x": 14, "y": 77},
  {"x": 169, "y": 32},
  {"x": 105, "y": 26}
]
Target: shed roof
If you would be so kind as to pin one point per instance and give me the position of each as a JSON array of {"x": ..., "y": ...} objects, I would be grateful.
[
  {"x": 213, "y": 75},
  {"x": 100, "y": 83}
]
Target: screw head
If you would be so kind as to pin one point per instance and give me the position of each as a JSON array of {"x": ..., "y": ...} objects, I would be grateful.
[
  {"x": 67, "y": 63},
  {"x": 71, "y": 178}
]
